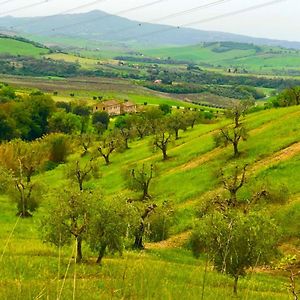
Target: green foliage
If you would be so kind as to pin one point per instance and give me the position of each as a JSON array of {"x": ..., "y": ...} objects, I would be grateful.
[
  {"x": 236, "y": 242},
  {"x": 59, "y": 147},
  {"x": 80, "y": 172},
  {"x": 21, "y": 161},
  {"x": 109, "y": 226},
  {"x": 68, "y": 216},
  {"x": 288, "y": 97},
  {"x": 63, "y": 122},
  {"x": 139, "y": 179},
  {"x": 100, "y": 120},
  {"x": 176, "y": 122},
  {"x": 165, "y": 108},
  {"x": 160, "y": 223}
]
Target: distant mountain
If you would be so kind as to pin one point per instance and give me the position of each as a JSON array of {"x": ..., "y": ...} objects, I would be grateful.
[{"x": 100, "y": 26}]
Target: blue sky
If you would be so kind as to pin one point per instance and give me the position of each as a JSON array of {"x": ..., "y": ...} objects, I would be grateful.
[{"x": 280, "y": 21}]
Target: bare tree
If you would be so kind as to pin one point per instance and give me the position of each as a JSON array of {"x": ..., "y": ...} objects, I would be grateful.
[
  {"x": 162, "y": 139},
  {"x": 233, "y": 184},
  {"x": 237, "y": 132},
  {"x": 80, "y": 172},
  {"x": 140, "y": 179},
  {"x": 139, "y": 234},
  {"x": 108, "y": 144}
]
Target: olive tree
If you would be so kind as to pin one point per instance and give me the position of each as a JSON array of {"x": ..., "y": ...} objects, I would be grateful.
[
  {"x": 68, "y": 216},
  {"x": 109, "y": 225},
  {"x": 22, "y": 160},
  {"x": 124, "y": 128},
  {"x": 161, "y": 140},
  {"x": 176, "y": 122},
  {"x": 107, "y": 145},
  {"x": 82, "y": 171},
  {"x": 236, "y": 242},
  {"x": 235, "y": 133},
  {"x": 140, "y": 124},
  {"x": 139, "y": 179}
]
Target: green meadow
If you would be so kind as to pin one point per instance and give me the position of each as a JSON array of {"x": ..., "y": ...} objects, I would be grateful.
[
  {"x": 260, "y": 60},
  {"x": 31, "y": 269},
  {"x": 15, "y": 47}
]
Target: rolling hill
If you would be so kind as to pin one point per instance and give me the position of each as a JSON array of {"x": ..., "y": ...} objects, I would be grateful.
[
  {"x": 227, "y": 54},
  {"x": 33, "y": 269},
  {"x": 100, "y": 26},
  {"x": 19, "y": 46}
]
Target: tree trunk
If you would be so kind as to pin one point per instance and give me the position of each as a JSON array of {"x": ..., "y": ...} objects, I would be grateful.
[
  {"x": 236, "y": 150},
  {"x": 138, "y": 243},
  {"x": 80, "y": 185},
  {"x": 101, "y": 254},
  {"x": 23, "y": 213},
  {"x": 235, "y": 285},
  {"x": 164, "y": 151},
  {"x": 79, "y": 249},
  {"x": 126, "y": 144},
  {"x": 106, "y": 157},
  {"x": 176, "y": 134}
]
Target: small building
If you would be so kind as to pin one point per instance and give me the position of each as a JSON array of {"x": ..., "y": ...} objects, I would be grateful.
[
  {"x": 129, "y": 107},
  {"x": 116, "y": 108},
  {"x": 112, "y": 107}
]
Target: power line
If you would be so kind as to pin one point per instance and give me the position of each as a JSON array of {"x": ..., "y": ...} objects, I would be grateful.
[
  {"x": 25, "y": 7},
  {"x": 181, "y": 13},
  {"x": 191, "y": 10},
  {"x": 251, "y": 8},
  {"x": 108, "y": 16},
  {"x": 62, "y": 13}
]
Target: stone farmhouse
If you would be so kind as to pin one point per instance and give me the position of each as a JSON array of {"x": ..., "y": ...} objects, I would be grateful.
[{"x": 116, "y": 108}]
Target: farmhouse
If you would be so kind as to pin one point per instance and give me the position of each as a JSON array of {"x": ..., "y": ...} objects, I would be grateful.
[
  {"x": 129, "y": 107},
  {"x": 116, "y": 108}
]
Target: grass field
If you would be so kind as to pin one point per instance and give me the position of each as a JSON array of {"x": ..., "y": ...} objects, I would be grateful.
[
  {"x": 263, "y": 60},
  {"x": 14, "y": 47},
  {"x": 121, "y": 89},
  {"x": 31, "y": 269}
]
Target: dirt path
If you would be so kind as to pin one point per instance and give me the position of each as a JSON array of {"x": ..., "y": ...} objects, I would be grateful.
[
  {"x": 175, "y": 241},
  {"x": 278, "y": 157}
]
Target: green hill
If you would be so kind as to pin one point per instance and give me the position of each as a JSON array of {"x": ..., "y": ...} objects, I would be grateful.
[
  {"x": 19, "y": 46},
  {"x": 33, "y": 270},
  {"x": 235, "y": 55}
]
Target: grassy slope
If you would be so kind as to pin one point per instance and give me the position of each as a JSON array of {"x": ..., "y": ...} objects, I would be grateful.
[
  {"x": 30, "y": 268},
  {"x": 14, "y": 47},
  {"x": 246, "y": 58}
]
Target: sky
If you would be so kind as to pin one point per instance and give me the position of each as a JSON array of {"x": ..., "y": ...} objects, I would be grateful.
[{"x": 278, "y": 21}]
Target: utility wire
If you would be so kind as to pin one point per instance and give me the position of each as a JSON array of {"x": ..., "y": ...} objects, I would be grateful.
[
  {"x": 108, "y": 16},
  {"x": 25, "y": 7},
  {"x": 61, "y": 13},
  {"x": 191, "y": 10},
  {"x": 251, "y": 8},
  {"x": 237, "y": 12}
]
